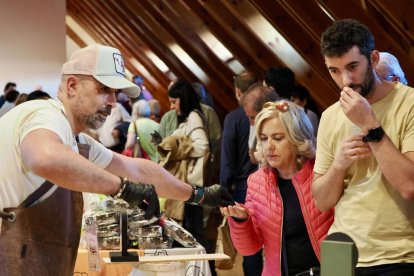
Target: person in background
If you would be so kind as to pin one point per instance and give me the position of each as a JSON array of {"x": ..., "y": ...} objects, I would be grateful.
[
  {"x": 235, "y": 164},
  {"x": 203, "y": 94},
  {"x": 117, "y": 116},
  {"x": 389, "y": 69},
  {"x": 119, "y": 134},
  {"x": 125, "y": 101},
  {"x": 7, "y": 88},
  {"x": 169, "y": 122},
  {"x": 145, "y": 94},
  {"x": 282, "y": 79},
  {"x": 302, "y": 97},
  {"x": 192, "y": 123},
  {"x": 140, "y": 130},
  {"x": 252, "y": 101},
  {"x": 9, "y": 103},
  {"x": 38, "y": 95},
  {"x": 40, "y": 142},
  {"x": 365, "y": 157},
  {"x": 280, "y": 213},
  {"x": 186, "y": 104},
  {"x": 155, "y": 110},
  {"x": 20, "y": 99}
]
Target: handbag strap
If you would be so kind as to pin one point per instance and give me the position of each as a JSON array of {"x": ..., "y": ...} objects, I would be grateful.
[
  {"x": 135, "y": 128},
  {"x": 205, "y": 126}
]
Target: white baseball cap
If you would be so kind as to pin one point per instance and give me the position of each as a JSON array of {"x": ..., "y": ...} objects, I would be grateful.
[{"x": 105, "y": 64}]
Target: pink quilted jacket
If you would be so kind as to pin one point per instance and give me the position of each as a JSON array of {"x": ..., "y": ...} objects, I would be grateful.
[{"x": 264, "y": 226}]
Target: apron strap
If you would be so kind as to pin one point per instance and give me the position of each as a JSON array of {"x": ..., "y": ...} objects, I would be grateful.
[
  {"x": 43, "y": 189},
  {"x": 46, "y": 186}
]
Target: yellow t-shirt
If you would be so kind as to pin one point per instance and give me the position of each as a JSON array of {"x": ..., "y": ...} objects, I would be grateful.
[{"x": 370, "y": 211}]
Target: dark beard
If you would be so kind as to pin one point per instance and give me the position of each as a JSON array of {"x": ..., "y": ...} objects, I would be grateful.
[{"x": 368, "y": 83}]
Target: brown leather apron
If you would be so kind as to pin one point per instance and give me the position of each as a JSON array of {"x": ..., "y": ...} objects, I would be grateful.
[{"x": 43, "y": 239}]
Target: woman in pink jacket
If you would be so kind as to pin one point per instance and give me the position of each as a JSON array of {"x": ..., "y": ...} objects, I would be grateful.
[{"x": 280, "y": 214}]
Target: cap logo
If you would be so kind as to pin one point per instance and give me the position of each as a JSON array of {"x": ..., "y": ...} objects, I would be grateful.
[{"x": 119, "y": 64}]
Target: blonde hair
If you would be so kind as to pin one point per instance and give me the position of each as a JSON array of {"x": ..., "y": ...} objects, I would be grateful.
[{"x": 298, "y": 127}]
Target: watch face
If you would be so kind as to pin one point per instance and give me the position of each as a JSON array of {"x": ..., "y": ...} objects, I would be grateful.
[{"x": 374, "y": 135}]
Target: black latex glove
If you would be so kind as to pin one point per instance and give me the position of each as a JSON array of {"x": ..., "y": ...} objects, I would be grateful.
[
  {"x": 142, "y": 195},
  {"x": 156, "y": 137},
  {"x": 213, "y": 196}
]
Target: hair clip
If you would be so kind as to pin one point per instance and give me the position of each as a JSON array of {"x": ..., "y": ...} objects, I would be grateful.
[{"x": 282, "y": 106}]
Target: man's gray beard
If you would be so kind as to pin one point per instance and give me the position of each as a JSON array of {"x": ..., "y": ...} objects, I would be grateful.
[{"x": 94, "y": 121}]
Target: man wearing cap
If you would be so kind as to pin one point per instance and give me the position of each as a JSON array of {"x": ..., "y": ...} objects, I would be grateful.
[{"x": 42, "y": 174}]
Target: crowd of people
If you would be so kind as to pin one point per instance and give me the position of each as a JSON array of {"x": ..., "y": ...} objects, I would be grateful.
[{"x": 283, "y": 174}]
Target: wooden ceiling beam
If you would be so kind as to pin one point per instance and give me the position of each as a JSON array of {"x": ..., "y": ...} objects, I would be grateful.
[
  {"x": 167, "y": 56},
  {"x": 239, "y": 32},
  {"x": 247, "y": 59},
  {"x": 91, "y": 23},
  {"x": 74, "y": 36},
  {"x": 188, "y": 40},
  {"x": 131, "y": 41},
  {"x": 290, "y": 19},
  {"x": 151, "y": 39},
  {"x": 158, "y": 80},
  {"x": 194, "y": 47},
  {"x": 396, "y": 20}
]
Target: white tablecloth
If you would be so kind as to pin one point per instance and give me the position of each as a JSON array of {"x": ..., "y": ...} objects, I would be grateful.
[{"x": 193, "y": 268}]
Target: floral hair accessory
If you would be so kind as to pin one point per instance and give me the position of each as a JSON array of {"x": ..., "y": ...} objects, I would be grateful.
[{"x": 282, "y": 106}]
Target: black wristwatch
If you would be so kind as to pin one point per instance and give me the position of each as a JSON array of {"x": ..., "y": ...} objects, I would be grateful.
[{"x": 374, "y": 135}]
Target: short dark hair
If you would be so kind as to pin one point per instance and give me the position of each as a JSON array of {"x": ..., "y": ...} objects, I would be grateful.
[
  {"x": 189, "y": 99},
  {"x": 11, "y": 96},
  {"x": 9, "y": 85},
  {"x": 37, "y": 94},
  {"x": 344, "y": 34},
  {"x": 258, "y": 94},
  {"x": 280, "y": 78},
  {"x": 302, "y": 93},
  {"x": 244, "y": 80}
]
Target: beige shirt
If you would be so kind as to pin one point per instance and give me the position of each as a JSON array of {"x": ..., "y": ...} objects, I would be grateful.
[{"x": 370, "y": 211}]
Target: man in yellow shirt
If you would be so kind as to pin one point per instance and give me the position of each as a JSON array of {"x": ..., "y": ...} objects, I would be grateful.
[{"x": 365, "y": 156}]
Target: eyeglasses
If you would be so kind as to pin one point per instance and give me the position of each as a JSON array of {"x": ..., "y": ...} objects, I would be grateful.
[
  {"x": 391, "y": 77},
  {"x": 282, "y": 106}
]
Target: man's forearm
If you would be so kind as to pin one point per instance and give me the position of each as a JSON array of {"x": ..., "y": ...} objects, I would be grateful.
[
  {"x": 397, "y": 168},
  {"x": 146, "y": 171},
  {"x": 327, "y": 189}
]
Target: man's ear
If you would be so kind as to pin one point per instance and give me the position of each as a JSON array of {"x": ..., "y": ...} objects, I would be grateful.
[
  {"x": 238, "y": 94},
  {"x": 71, "y": 85},
  {"x": 375, "y": 57}
]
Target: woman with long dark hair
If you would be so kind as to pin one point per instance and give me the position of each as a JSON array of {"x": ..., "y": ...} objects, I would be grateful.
[{"x": 190, "y": 123}]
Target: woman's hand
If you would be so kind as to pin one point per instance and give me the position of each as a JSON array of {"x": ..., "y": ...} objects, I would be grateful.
[{"x": 236, "y": 211}]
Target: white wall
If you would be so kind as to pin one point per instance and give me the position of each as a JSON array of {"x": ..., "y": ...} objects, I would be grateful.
[{"x": 32, "y": 44}]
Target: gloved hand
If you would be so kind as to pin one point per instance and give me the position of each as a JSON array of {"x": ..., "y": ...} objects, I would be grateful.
[
  {"x": 212, "y": 196},
  {"x": 142, "y": 195},
  {"x": 156, "y": 138}
]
